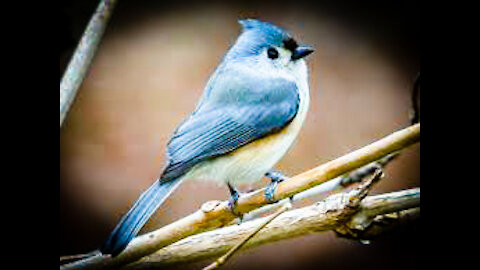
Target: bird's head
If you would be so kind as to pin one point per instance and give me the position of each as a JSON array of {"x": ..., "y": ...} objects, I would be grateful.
[{"x": 268, "y": 43}]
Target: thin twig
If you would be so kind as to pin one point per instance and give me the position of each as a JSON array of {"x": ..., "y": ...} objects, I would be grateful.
[
  {"x": 76, "y": 257},
  {"x": 83, "y": 55},
  {"x": 220, "y": 261}
]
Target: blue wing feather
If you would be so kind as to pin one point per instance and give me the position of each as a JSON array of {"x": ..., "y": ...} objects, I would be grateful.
[{"x": 235, "y": 113}]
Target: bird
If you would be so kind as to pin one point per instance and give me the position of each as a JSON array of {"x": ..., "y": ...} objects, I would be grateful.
[{"x": 249, "y": 114}]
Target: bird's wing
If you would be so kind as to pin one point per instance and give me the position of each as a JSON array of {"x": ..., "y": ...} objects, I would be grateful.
[{"x": 234, "y": 113}]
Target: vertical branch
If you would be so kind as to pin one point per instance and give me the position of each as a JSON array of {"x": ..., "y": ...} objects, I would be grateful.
[
  {"x": 415, "y": 112},
  {"x": 83, "y": 55}
]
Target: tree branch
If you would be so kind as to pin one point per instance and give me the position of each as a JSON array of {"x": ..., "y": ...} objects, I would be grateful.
[
  {"x": 329, "y": 214},
  {"x": 335, "y": 185},
  {"x": 220, "y": 261},
  {"x": 215, "y": 214},
  {"x": 380, "y": 225},
  {"x": 83, "y": 55},
  {"x": 415, "y": 99}
]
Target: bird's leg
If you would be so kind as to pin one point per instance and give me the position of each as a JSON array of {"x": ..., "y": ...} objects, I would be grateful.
[
  {"x": 235, "y": 194},
  {"x": 276, "y": 178}
]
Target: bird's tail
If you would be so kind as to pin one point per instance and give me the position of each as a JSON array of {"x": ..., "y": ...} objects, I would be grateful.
[{"x": 138, "y": 215}]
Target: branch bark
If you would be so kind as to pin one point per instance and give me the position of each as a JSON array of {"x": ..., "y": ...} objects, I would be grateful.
[
  {"x": 326, "y": 215},
  {"x": 215, "y": 214},
  {"x": 335, "y": 185},
  {"x": 83, "y": 55},
  {"x": 220, "y": 261}
]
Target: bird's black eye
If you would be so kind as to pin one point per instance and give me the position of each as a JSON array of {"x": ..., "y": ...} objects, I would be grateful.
[{"x": 272, "y": 53}]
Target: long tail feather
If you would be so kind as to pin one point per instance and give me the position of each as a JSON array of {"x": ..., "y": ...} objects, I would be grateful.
[{"x": 138, "y": 215}]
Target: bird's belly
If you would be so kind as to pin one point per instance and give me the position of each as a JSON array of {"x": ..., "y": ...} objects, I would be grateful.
[{"x": 249, "y": 163}]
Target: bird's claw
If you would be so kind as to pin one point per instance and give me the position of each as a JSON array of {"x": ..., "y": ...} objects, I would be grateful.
[
  {"x": 270, "y": 191},
  {"x": 276, "y": 178},
  {"x": 232, "y": 202}
]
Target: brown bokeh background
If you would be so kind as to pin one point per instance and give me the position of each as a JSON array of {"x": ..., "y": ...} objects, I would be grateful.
[{"x": 149, "y": 71}]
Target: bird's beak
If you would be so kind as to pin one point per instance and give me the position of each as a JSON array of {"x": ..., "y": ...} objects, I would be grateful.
[{"x": 302, "y": 51}]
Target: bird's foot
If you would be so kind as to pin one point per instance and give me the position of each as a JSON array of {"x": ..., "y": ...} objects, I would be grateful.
[
  {"x": 232, "y": 202},
  {"x": 276, "y": 178}
]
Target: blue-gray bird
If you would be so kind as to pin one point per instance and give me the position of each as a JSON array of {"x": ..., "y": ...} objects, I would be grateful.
[{"x": 250, "y": 113}]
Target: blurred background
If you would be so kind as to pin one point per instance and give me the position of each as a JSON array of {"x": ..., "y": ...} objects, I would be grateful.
[{"x": 149, "y": 71}]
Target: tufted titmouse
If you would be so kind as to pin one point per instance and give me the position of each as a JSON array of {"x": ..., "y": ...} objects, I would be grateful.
[{"x": 250, "y": 113}]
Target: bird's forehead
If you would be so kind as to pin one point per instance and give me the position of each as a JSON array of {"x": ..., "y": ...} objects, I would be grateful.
[{"x": 269, "y": 33}]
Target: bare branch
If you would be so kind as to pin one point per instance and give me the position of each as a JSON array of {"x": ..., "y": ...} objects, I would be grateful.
[
  {"x": 415, "y": 99},
  {"x": 220, "y": 261},
  {"x": 378, "y": 225},
  {"x": 320, "y": 217},
  {"x": 215, "y": 214},
  {"x": 335, "y": 185},
  {"x": 83, "y": 55},
  {"x": 72, "y": 258}
]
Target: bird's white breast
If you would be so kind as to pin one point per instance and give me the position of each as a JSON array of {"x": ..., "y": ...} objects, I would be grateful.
[{"x": 249, "y": 163}]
